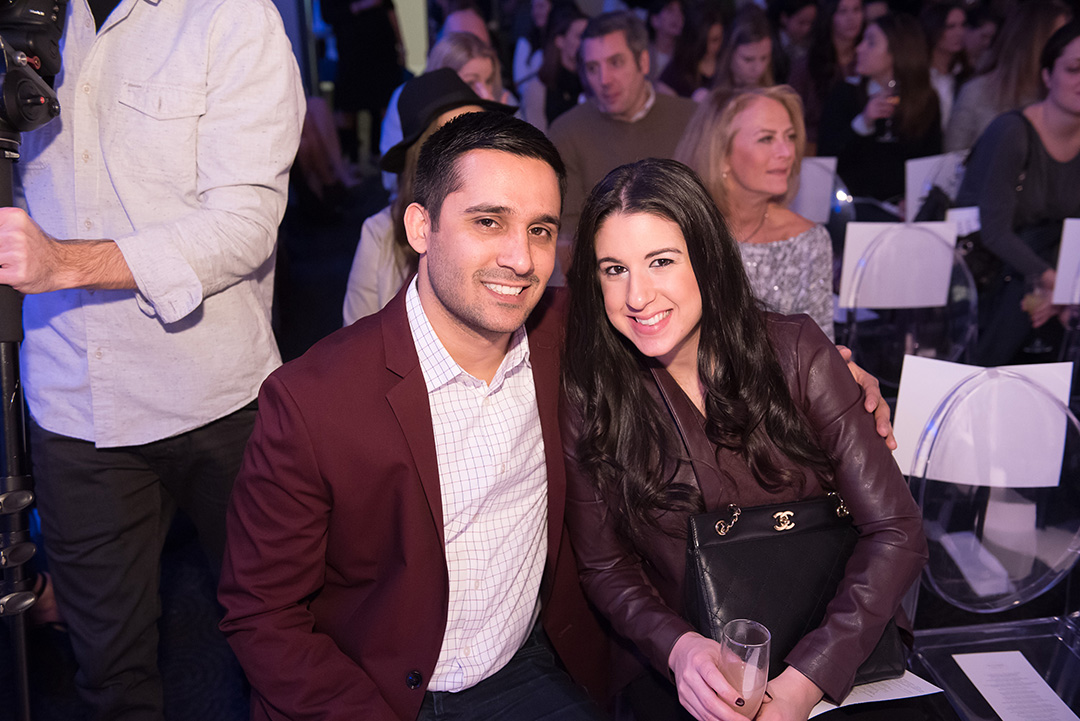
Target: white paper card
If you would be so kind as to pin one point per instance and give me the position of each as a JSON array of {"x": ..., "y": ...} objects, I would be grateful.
[
  {"x": 907, "y": 686},
  {"x": 816, "y": 181},
  {"x": 1012, "y": 687},
  {"x": 1067, "y": 286},
  {"x": 909, "y": 267},
  {"x": 967, "y": 220},
  {"x": 921, "y": 174},
  {"x": 1007, "y": 434}
]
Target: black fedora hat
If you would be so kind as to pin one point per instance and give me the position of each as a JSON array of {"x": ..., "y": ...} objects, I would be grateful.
[{"x": 425, "y": 98}]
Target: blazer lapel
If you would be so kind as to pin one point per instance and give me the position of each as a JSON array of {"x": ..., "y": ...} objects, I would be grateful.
[
  {"x": 409, "y": 401},
  {"x": 545, "y": 344}
]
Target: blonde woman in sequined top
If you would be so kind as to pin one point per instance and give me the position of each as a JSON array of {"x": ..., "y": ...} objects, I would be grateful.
[{"x": 748, "y": 147}]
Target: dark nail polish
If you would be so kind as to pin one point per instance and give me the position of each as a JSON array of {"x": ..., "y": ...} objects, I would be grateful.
[{"x": 739, "y": 702}]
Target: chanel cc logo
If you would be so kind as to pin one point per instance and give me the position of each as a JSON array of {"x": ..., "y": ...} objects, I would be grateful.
[{"x": 783, "y": 520}]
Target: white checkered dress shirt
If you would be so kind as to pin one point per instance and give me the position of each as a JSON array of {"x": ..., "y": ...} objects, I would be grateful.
[{"x": 494, "y": 501}]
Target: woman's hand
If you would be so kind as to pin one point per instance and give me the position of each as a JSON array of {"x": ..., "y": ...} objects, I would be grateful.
[
  {"x": 789, "y": 697},
  {"x": 879, "y": 107},
  {"x": 874, "y": 402},
  {"x": 703, "y": 691},
  {"x": 1039, "y": 304}
]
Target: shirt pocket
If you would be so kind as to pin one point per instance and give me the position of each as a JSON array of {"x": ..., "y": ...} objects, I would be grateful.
[
  {"x": 164, "y": 102},
  {"x": 160, "y": 123}
]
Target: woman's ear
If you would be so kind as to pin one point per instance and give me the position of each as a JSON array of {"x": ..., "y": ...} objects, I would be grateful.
[{"x": 417, "y": 227}]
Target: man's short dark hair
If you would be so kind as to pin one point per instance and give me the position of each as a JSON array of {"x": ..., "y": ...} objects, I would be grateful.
[
  {"x": 621, "y": 21},
  {"x": 437, "y": 173}
]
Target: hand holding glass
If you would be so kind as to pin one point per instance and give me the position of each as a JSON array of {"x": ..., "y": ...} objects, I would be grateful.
[{"x": 745, "y": 661}]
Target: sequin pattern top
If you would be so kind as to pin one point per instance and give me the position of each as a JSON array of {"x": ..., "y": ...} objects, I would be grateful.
[{"x": 794, "y": 275}]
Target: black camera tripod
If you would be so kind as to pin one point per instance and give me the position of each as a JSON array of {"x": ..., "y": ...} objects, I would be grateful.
[{"x": 30, "y": 33}]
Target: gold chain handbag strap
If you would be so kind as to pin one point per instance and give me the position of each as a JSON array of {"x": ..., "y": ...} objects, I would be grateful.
[
  {"x": 722, "y": 526},
  {"x": 783, "y": 518}
]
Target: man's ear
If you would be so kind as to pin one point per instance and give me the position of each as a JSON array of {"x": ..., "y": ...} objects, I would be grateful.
[
  {"x": 417, "y": 227},
  {"x": 643, "y": 62}
]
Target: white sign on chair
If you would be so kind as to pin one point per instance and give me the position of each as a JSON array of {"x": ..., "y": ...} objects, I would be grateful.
[
  {"x": 1009, "y": 434},
  {"x": 921, "y": 174},
  {"x": 1067, "y": 286},
  {"x": 815, "y": 197},
  {"x": 897, "y": 265}
]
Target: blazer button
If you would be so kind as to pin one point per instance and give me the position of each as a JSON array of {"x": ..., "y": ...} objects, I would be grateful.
[{"x": 414, "y": 679}]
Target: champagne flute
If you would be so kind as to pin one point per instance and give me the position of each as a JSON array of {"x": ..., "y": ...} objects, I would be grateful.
[
  {"x": 892, "y": 95},
  {"x": 745, "y": 661}
]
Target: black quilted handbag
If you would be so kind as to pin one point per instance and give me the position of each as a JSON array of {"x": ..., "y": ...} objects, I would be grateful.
[{"x": 779, "y": 565}]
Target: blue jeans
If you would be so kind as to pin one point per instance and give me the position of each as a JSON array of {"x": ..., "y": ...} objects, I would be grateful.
[{"x": 531, "y": 687}]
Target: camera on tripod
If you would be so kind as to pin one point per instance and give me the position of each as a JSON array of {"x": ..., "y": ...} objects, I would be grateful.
[{"x": 30, "y": 32}]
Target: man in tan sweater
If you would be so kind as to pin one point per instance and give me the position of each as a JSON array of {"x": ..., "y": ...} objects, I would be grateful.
[{"x": 624, "y": 119}]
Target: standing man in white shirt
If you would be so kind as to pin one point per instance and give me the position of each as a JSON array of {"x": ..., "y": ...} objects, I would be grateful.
[{"x": 148, "y": 258}]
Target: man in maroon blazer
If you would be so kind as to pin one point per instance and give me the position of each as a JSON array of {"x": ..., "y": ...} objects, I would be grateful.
[{"x": 396, "y": 527}]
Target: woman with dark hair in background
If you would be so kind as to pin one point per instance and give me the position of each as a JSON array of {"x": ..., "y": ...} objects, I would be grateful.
[
  {"x": 830, "y": 59},
  {"x": 889, "y": 116},
  {"x": 557, "y": 86},
  {"x": 1024, "y": 175},
  {"x": 981, "y": 28},
  {"x": 746, "y": 54},
  {"x": 666, "y": 21},
  {"x": 944, "y": 26},
  {"x": 793, "y": 21},
  {"x": 681, "y": 396},
  {"x": 694, "y": 63},
  {"x": 1010, "y": 78},
  {"x": 529, "y": 48}
]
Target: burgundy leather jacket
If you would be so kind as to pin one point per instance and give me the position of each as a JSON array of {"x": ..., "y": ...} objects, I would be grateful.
[{"x": 640, "y": 588}]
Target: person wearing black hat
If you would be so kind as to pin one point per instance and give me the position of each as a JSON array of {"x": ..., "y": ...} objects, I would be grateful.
[{"x": 384, "y": 260}]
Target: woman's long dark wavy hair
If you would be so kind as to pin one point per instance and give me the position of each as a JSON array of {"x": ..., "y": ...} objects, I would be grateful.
[
  {"x": 626, "y": 443},
  {"x": 918, "y": 109},
  {"x": 822, "y": 60}
]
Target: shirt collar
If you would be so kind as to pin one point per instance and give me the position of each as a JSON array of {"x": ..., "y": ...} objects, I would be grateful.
[
  {"x": 649, "y": 100},
  {"x": 438, "y": 366}
]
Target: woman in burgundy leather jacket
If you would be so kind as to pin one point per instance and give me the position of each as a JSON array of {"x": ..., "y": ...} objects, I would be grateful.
[{"x": 681, "y": 396}]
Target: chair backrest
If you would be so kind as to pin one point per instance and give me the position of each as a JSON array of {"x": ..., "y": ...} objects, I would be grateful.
[
  {"x": 914, "y": 267},
  {"x": 997, "y": 474},
  {"x": 945, "y": 172},
  {"x": 817, "y": 189},
  {"x": 897, "y": 265}
]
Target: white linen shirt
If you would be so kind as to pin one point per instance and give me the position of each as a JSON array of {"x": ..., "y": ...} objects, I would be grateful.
[
  {"x": 179, "y": 121},
  {"x": 493, "y": 479}
]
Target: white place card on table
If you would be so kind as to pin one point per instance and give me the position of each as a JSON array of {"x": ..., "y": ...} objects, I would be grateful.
[
  {"x": 1012, "y": 687},
  {"x": 967, "y": 220},
  {"x": 907, "y": 686}
]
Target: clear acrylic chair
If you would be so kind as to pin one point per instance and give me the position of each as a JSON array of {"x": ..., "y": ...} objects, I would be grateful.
[
  {"x": 997, "y": 475},
  {"x": 881, "y": 332}
]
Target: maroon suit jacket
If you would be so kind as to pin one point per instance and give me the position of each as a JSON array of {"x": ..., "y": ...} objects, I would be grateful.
[{"x": 334, "y": 580}]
